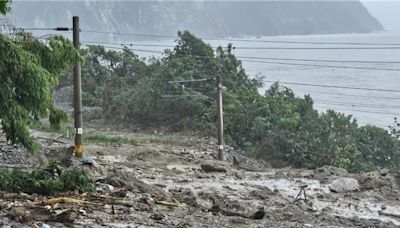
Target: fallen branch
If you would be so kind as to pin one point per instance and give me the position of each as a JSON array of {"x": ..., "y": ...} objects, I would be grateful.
[{"x": 67, "y": 200}]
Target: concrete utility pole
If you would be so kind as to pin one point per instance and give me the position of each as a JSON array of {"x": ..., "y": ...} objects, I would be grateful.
[
  {"x": 78, "y": 149},
  {"x": 221, "y": 155}
]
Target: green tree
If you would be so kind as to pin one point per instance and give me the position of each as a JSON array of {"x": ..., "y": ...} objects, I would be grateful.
[
  {"x": 29, "y": 70},
  {"x": 4, "y": 6}
]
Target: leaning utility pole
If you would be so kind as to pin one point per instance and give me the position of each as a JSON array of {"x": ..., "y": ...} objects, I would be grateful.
[
  {"x": 78, "y": 149},
  {"x": 220, "y": 121}
]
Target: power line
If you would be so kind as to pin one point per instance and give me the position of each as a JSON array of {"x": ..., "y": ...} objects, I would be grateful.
[
  {"x": 356, "y": 104},
  {"x": 251, "y": 57},
  {"x": 334, "y": 86},
  {"x": 246, "y": 40},
  {"x": 318, "y": 48},
  {"x": 278, "y": 63},
  {"x": 348, "y": 95},
  {"x": 363, "y": 111},
  {"x": 133, "y": 49},
  {"x": 129, "y": 44},
  {"x": 192, "y": 80},
  {"x": 48, "y": 29},
  {"x": 278, "y": 48},
  {"x": 324, "y": 66},
  {"x": 320, "y": 60}
]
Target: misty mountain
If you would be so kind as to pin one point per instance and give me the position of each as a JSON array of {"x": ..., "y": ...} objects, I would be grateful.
[{"x": 206, "y": 18}]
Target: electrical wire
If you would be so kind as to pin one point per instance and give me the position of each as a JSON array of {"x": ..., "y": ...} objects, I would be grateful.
[
  {"x": 246, "y": 40},
  {"x": 320, "y": 60},
  {"x": 278, "y": 63},
  {"x": 356, "y": 104},
  {"x": 335, "y": 86},
  {"x": 362, "y": 111},
  {"x": 347, "y": 95},
  {"x": 324, "y": 66},
  {"x": 252, "y": 57}
]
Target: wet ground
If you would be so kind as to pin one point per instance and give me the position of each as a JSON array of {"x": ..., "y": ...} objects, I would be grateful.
[{"x": 162, "y": 182}]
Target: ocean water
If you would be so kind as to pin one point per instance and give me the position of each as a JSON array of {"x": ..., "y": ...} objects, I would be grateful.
[{"x": 367, "y": 106}]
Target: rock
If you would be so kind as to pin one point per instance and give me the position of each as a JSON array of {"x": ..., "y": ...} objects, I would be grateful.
[
  {"x": 328, "y": 171},
  {"x": 157, "y": 216},
  {"x": 42, "y": 225},
  {"x": 88, "y": 161},
  {"x": 373, "y": 180},
  {"x": 383, "y": 172},
  {"x": 262, "y": 194},
  {"x": 260, "y": 214},
  {"x": 104, "y": 188},
  {"x": 83, "y": 212},
  {"x": 114, "y": 181},
  {"x": 208, "y": 166},
  {"x": 344, "y": 185},
  {"x": 185, "y": 196}
]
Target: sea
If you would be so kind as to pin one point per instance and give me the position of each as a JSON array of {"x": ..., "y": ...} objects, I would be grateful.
[{"x": 360, "y": 78}]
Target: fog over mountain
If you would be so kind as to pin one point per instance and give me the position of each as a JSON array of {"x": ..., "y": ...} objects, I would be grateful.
[
  {"x": 387, "y": 12},
  {"x": 206, "y": 18}
]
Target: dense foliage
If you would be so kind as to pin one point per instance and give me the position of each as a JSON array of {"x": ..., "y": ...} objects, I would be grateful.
[
  {"x": 277, "y": 126},
  {"x": 48, "y": 180},
  {"x": 29, "y": 69}
]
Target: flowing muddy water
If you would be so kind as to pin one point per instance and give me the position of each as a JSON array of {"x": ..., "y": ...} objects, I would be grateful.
[{"x": 345, "y": 207}]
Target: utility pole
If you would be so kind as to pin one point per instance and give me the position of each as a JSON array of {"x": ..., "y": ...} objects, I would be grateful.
[
  {"x": 78, "y": 149},
  {"x": 220, "y": 121}
]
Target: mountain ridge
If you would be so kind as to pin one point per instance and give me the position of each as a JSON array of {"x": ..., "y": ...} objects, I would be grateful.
[{"x": 204, "y": 18}]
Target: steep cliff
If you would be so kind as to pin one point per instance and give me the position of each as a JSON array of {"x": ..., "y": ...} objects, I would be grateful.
[{"x": 220, "y": 18}]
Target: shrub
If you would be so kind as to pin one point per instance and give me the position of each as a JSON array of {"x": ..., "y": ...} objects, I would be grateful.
[{"x": 48, "y": 180}]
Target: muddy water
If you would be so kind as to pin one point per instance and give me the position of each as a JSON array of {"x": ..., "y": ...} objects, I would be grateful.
[{"x": 336, "y": 204}]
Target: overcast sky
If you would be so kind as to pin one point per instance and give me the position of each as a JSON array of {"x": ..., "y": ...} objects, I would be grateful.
[{"x": 387, "y": 12}]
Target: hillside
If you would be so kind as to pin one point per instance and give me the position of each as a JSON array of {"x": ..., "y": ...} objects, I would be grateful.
[{"x": 244, "y": 18}]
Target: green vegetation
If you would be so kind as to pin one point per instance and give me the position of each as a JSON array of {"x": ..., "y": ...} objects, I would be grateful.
[
  {"x": 48, "y": 180},
  {"x": 29, "y": 70},
  {"x": 277, "y": 126}
]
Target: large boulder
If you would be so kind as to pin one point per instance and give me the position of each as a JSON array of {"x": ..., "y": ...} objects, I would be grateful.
[
  {"x": 212, "y": 166},
  {"x": 344, "y": 185}
]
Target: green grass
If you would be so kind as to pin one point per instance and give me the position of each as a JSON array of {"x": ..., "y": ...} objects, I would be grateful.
[{"x": 132, "y": 139}]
